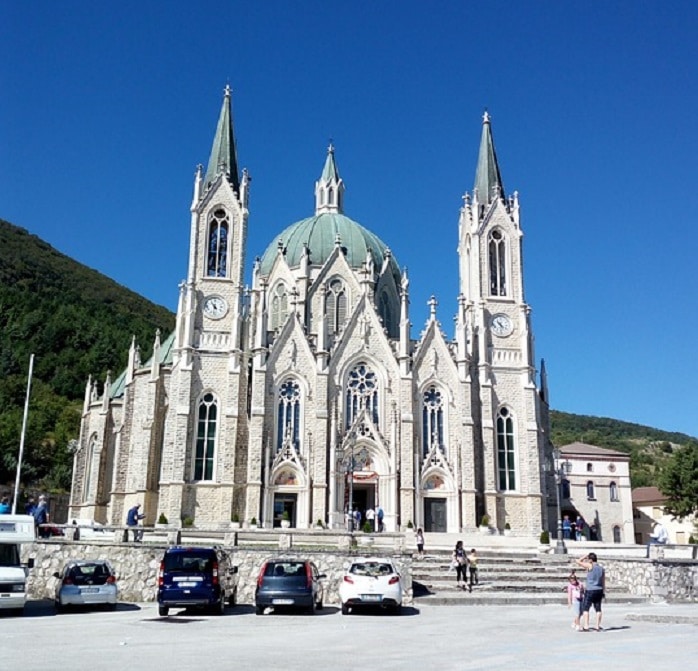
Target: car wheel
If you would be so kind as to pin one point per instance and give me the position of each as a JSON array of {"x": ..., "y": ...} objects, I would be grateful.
[
  {"x": 318, "y": 605},
  {"x": 163, "y": 610},
  {"x": 397, "y": 610},
  {"x": 111, "y": 606},
  {"x": 233, "y": 597},
  {"x": 345, "y": 609},
  {"x": 310, "y": 610},
  {"x": 60, "y": 608},
  {"x": 219, "y": 608},
  {"x": 259, "y": 610}
]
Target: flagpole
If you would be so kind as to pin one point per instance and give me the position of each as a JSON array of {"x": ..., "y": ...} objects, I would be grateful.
[{"x": 24, "y": 430}]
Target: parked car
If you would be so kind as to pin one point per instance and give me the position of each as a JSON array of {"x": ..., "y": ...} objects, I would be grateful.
[
  {"x": 371, "y": 582},
  {"x": 86, "y": 583},
  {"x": 196, "y": 577},
  {"x": 292, "y": 583}
]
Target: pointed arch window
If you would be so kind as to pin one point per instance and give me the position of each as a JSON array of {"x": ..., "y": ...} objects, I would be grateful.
[
  {"x": 432, "y": 420},
  {"x": 591, "y": 493},
  {"x": 89, "y": 458},
  {"x": 279, "y": 306},
  {"x": 362, "y": 392},
  {"x": 206, "y": 431},
  {"x": 217, "y": 261},
  {"x": 384, "y": 311},
  {"x": 288, "y": 414},
  {"x": 616, "y": 534},
  {"x": 506, "y": 451},
  {"x": 497, "y": 258},
  {"x": 336, "y": 305},
  {"x": 613, "y": 492}
]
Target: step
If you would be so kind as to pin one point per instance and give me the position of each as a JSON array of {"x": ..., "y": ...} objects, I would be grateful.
[{"x": 476, "y": 598}]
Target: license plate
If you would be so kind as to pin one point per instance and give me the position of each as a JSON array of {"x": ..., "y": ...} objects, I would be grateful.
[
  {"x": 89, "y": 590},
  {"x": 186, "y": 584},
  {"x": 282, "y": 602},
  {"x": 371, "y": 597},
  {"x": 187, "y": 580}
]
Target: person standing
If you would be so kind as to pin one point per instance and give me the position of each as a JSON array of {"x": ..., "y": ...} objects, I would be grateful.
[
  {"x": 472, "y": 565},
  {"x": 595, "y": 588},
  {"x": 371, "y": 518},
  {"x": 460, "y": 563},
  {"x": 419, "y": 538},
  {"x": 379, "y": 517},
  {"x": 566, "y": 527},
  {"x": 575, "y": 593},
  {"x": 5, "y": 508},
  {"x": 659, "y": 536},
  {"x": 134, "y": 514},
  {"x": 357, "y": 519},
  {"x": 30, "y": 507},
  {"x": 579, "y": 528},
  {"x": 41, "y": 517}
]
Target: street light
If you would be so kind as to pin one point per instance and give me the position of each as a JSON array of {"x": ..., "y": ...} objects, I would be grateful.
[{"x": 560, "y": 548}]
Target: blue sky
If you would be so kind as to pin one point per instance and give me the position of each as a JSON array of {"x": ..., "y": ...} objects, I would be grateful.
[{"x": 107, "y": 108}]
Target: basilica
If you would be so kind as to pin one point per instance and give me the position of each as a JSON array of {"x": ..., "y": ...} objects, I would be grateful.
[{"x": 306, "y": 396}]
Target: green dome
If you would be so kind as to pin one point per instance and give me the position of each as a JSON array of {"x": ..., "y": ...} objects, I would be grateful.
[{"x": 320, "y": 233}]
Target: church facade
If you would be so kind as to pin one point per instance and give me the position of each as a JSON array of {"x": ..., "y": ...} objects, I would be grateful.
[{"x": 305, "y": 396}]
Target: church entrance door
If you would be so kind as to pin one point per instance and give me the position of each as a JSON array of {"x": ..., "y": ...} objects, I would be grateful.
[
  {"x": 285, "y": 503},
  {"x": 435, "y": 515}
]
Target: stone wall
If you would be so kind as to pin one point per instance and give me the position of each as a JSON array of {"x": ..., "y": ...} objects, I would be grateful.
[
  {"x": 674, "y": 580},
  {"x": 136, "y": 567}
]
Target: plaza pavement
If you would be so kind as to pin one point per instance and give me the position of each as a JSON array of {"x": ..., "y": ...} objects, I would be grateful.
[{"x": 637, "y": 636}]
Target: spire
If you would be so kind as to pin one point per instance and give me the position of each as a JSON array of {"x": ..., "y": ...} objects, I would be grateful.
[
  {"x": 488, "y": 181},
  {"x": 223, "y": 153},
  {"x": 329, "y": 189}
]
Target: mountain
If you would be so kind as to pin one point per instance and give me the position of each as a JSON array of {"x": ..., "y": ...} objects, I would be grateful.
[{"x": 77, "y": 322}]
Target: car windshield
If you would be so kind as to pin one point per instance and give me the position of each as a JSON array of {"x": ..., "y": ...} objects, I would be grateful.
[
  {"x": 193, "y": 561},
  {"x": 371, "y": 568},
  {"x": 285, "y": 569}
]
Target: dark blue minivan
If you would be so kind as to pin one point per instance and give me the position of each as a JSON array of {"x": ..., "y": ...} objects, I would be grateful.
[{"x": 196, "y": 577}]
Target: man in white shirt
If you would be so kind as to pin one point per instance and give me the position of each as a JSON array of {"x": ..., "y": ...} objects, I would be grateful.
[
  {"x": 659, "y": 536},
  {"x": 370, "y": 517}
]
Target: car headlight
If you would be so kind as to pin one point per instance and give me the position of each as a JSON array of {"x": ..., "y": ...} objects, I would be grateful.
[{"x": 18, "y": 587}]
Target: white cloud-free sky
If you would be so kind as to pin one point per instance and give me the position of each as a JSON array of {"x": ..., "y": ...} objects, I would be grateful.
[{"x": 107, "y": 108}]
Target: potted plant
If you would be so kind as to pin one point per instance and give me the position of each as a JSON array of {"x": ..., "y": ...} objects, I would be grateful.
[
  {"x": 320, "y": 524},
  {"x": 187, "y": 522},
  {"x": 485, "y": 524},
  {"x": 545, "y": 537},
  {"x": 253, "y": 523},
  {"x": 507, "y": 529},
  {"x": 235, "y": 521},
  {"x": 410, "y": 526},
  {"x": 367, "y": 528},
  {"x": 285, "y": 520},
  {"x": 162, "y": 521}
]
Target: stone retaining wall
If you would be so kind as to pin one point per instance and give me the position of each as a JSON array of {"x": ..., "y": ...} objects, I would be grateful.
[
  {"x": 657, "y": 579},
  {"x": 136, "y": 566}
]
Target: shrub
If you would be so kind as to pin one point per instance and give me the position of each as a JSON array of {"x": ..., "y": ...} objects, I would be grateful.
[
  {"x": 485, "y": 522},
  {"x": 410, "y": 525},
  {"x": 544, "y": 538},
  {"x": 692, "y": 540},
  {"x": 285, "y": 516},
  {"x": 367, "y": 528},
  {"x": 235, "y": 517},
  {"x": 188, "y": 522},
  {"x": 507, "y": 526},
  {"x": 162, "y": 519},
  {"x": 253, "y": 521},
  {"x": 320, "y": 523}
]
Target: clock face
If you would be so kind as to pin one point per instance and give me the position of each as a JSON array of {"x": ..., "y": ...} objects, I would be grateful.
[
  {"x": 501, "y": 325},
  {"x": 215, "y": 307}
]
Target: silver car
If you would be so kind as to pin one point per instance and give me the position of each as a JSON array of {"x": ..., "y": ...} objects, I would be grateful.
[{"x": 86, "y": 583}]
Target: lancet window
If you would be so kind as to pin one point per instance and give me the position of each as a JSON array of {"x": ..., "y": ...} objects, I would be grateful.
[{"x": 217, "y": 261}]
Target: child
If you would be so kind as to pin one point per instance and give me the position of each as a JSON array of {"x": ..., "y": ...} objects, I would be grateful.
[
  {"x": 419, "y": 537},
  {"x": 472, "y": 564},
  {"x": 574, "y": 599}
]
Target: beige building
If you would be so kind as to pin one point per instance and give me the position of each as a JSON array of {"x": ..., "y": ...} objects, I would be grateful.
[
  {"x": 308, "y": 390},
  {"x": 648, "y": 508},
  {"x": 596, "y": 486}
]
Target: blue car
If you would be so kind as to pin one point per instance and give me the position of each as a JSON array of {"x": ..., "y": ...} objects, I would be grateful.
[
  {"x": 196, "y": 577},
  {"x": 289, "y": 583}
]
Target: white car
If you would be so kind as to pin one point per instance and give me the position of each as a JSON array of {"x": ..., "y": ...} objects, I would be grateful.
[
  {"x": 86, "y": 583},
  {"x": 371, "y": 582}
]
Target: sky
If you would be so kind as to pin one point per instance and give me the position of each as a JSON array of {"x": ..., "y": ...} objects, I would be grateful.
[{"x": 107, "y": 108}]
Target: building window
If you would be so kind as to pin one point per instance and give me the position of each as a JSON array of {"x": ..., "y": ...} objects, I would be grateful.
[
  {"x": 432, "y": 420},
  {"x": 497, "y": 256},
  {"x": 506, "y": 451},
  {"x": 384, "y": 311},
  {"x": 89, "y": 458},
  {"x": 616, "y": 534},
  {"x": 657, "y": 512},
  {"x": 565, "y": 489},
  {"x": 590, "y": 467},
  {"x": 206, "y": 438},
  {"x": 613, "y": 491},
  {"x": 217, "y": 262},
  {"x": 590, "y": 490},
  {"x": 336, "y": 305},
  {"x": 279, "y": 306},
  {"x": 362, "y": 393},
  {"x": 289, "y": 413}
]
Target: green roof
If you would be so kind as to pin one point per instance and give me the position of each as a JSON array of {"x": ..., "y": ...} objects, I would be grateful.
[
  {"x": 487, "y": 173},
  {"x": 223, "y": 153},
  {"x": 320, "y": 234}
]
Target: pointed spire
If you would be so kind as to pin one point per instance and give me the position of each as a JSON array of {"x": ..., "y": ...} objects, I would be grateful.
[
  {"x": 329, "y": 189},
  {"x": 223, "y": 152},
  {"x": 488, "y": 180}
]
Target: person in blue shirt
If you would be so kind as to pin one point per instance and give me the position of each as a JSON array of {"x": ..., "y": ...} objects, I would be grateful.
[
  {"x": 132, "y": 518},
  {"x": 595, "y": 589},
  {"x": 41, "y": 517},
  {"x": 5, "y": 508},
  {"x": 30, "y": 507}
]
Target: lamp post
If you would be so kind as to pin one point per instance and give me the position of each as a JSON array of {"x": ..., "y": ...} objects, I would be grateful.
[{"x": 560, "y": 547}]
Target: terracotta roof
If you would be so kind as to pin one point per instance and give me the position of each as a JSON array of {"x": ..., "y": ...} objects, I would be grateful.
[
  {"x": 647, "y": 495},
  {"x": 582, "y": 449}
]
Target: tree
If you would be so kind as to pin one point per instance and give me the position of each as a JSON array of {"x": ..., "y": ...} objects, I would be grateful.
[{"x": 679, "y": 481}]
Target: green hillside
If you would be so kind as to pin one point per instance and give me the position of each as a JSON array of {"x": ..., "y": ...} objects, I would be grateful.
[{"x": 77, "y": 322}]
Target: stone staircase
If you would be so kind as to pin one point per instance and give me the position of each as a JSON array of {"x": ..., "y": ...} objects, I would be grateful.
[{"x": 507, "y": 577}]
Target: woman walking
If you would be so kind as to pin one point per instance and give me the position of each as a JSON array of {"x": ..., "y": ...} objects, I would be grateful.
[{"x": 459, "y": 562}]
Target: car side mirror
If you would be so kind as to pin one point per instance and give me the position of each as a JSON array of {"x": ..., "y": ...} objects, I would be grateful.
[
  {"x": 233, "y": 569},
  {"x": 56, "y": 574},
  {"x": 30, "y": 562},
  {"x": 321, "y": 576}
]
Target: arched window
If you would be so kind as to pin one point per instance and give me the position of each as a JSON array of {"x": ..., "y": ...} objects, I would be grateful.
[
  {"x": 289, "y": 413},
  {"x": 362, "y": 392},
  {"x": 613, "y": 491},
  {"x": 336, "y": 305},
  {"x": 590, "y": 491},
  {"x": 217, "y": 262},
  {"x": 206, "y": 438},
  {"x": 497, "y": 255},
  {"x": 89, "y": 458},
  {"x": 565, "y": 489},
  {"x": 506, "y": 451},
  {"x": 616, "y": 534},
  {"x": 590, "y": 467},
  {"x": 279, "y": 306},
  {"x": 384, "y": 311},
  {"x": 432, "y": 420}
]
